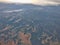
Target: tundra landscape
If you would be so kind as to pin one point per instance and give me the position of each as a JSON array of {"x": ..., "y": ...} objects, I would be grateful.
[{"x": 29, "y": 24}]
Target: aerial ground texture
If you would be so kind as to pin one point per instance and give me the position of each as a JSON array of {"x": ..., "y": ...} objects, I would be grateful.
[{"x": 28, "y": 24}]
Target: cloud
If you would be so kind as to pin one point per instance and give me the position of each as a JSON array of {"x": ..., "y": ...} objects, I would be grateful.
[
  {"x": 47, "y": 2},
  {"x": 11, "y": 11},
  {"x": 58, "y": 1},
  {"x": 37, "y": 2}
]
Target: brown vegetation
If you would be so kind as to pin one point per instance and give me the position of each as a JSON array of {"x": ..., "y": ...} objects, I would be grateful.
[{"x": 25, "y": 40}]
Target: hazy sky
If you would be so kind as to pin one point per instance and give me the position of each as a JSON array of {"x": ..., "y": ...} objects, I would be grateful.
[{"x": 40, "y": 2}]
